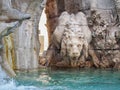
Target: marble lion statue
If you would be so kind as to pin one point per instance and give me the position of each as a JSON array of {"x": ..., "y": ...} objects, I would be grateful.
[
  {"x": 77, "y": 28},
  {"x": 72, "y": 22},
  {"x": 72, "y": 44},
  {"x": 72, "y": 37},
  {"x": 73, "y": 47}
]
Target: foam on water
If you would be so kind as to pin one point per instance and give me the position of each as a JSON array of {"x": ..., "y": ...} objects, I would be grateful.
[
  {"x": 3, "y": 76},
  {"x": 12, "y": 86},
  {"x": 6, "y": 83}
]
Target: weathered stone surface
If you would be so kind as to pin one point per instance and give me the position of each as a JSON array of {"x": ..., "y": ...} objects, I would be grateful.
[
  {"x": 9, "y": 13},
  {"x": 102, "y": 4},
  {"x": 26, "y": 39},
  {"x": 71, "y": 38},
  {"x": 104, "y": 27},
  {"x": 117, "y": 3},
  {"x": 24, "y": 43},
  {"x": 52, "y": 15},
  {"x": 21, "y": 49},
  {"x": 6, "y": 50}
]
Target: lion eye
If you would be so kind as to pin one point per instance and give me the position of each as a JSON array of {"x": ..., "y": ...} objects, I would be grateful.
[
  {"x": 78, "y": 45},
  {"x": 70, "y": 45},
  {"x": 68, "y": 36}
]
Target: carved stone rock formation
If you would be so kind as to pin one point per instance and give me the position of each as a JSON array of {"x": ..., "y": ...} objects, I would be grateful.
[
  {"x": 21, "y": 49},
  {"x": 102, "y": 18},
  {"x": 52, "y": 16},
  {"x": 9, "y": 13},
  {"x": 105, "y": 31},
  {"x": 26, "y": 38},
  {"x": 71, "y": 38},
  {"x": 103, "y": 21},
  {"x": 6, "y": 29}
]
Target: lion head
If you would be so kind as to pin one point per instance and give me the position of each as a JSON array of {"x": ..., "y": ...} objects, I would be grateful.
[{"x": 72, "y": 44}]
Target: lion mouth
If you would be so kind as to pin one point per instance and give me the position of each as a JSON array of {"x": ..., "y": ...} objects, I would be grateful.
[{"x": 74, "y": 58}]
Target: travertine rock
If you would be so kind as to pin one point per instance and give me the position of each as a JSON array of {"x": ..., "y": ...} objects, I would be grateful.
[
  {"x": 105, "y": 31},
  {"x": 10, "y": 13},
  {"x": 71, "y": 37},
  {"x": 26, "y": 40},
  {"x": 6, "y": 50},
  {"x": 104, "y": 25},
  {"x": 21, "y": 49},
  {"x": 104, "y": 28}
]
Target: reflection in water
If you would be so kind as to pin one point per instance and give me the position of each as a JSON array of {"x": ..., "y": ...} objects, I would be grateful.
[
  {"x": 86, "y": 79},
  {"x": 44, "y": 78}
]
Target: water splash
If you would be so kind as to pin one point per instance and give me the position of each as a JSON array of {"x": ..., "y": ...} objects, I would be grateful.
[
  {"x": 3, "y": 76},
  {"x": 7, "y": 83}
]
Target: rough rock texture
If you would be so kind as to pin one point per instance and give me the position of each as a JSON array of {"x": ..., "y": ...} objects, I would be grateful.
[
  {"x": 52, "y": 15},
  {"x": 72, "y": 37},
  {"x": 103, "y": 22},
  {"x": 117, "y": 3},
  {"x": 21, "y": 49},
  {"x": 9, "y": 13},
  {"x": 26, "y": 40},
  {"x": 6, "y": 47},
  {"x": 106, "y": 33}
]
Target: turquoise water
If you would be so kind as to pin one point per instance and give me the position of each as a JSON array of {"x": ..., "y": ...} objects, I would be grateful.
[{"x": 46, "y": 79}]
